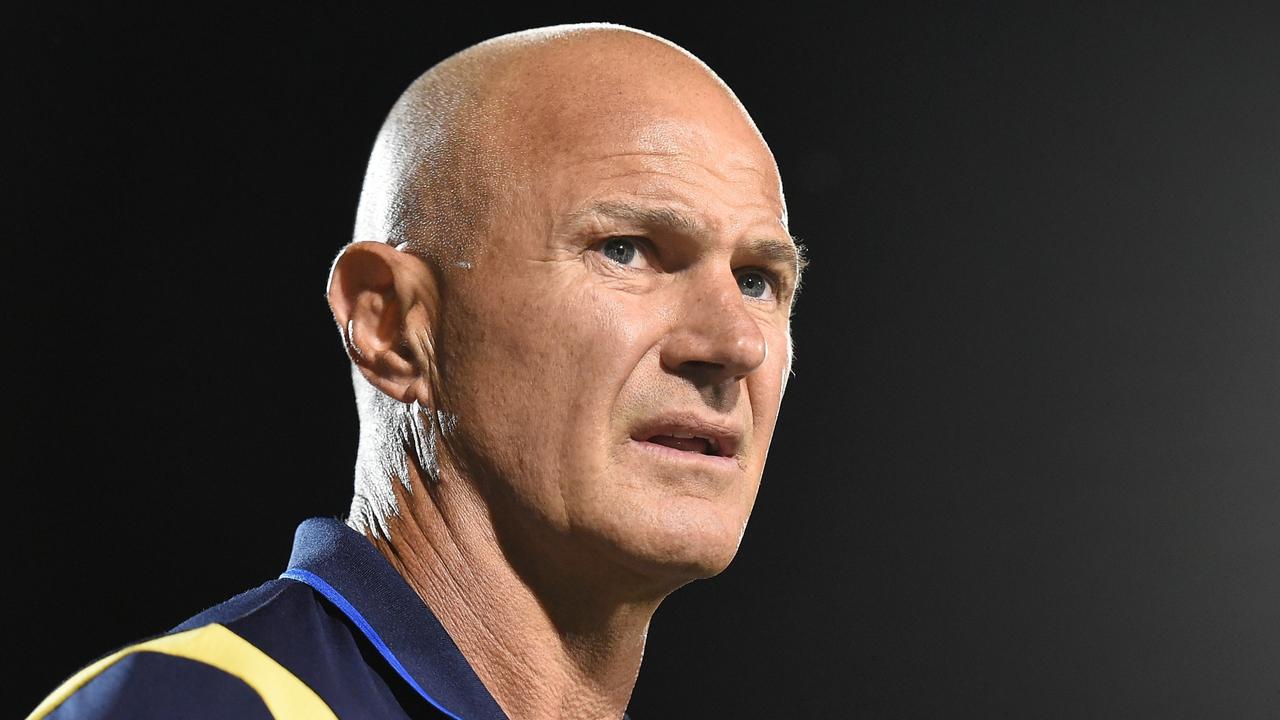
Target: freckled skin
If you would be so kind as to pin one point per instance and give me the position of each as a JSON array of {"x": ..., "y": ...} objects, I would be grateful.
[{"x": 573, "y": 352}]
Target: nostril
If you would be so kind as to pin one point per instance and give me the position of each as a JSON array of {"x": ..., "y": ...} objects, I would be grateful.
[{"x": 702, "y": 372}]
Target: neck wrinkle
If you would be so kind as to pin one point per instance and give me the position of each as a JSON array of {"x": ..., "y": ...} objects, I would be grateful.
[{"x": 541, "y": 658}]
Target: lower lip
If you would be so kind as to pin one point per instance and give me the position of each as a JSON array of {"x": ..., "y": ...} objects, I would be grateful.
[{"x": 672, "y": 454}]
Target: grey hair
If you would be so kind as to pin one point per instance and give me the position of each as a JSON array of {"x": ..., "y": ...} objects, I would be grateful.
[{"x": 387, "y": 428}]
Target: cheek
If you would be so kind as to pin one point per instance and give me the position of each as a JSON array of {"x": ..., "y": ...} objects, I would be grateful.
[
  {"x": 765, "y": 389},
  {"x": 533, "y": 374},
  {"x": 578, "y": 342}
]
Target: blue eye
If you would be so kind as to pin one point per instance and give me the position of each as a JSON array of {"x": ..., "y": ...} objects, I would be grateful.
[
  {"x": 754, "y": 283},
  {"x": 620, "y": 250}
]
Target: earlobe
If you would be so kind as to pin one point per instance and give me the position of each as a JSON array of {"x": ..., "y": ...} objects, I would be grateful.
[{"x": 373, "y": 290}]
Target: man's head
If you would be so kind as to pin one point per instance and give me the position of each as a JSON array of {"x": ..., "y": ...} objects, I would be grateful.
[{"x": 576, "y": 308}]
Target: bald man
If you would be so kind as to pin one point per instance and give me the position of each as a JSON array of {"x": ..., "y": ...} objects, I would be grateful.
[{"x": 567, "y": 313}]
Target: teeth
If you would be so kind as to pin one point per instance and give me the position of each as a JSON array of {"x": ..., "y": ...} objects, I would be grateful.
[{"x": 681, "y": 435}]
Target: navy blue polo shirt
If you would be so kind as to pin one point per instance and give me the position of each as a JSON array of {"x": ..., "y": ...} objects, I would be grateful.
[{"x": 339, "y": 634}]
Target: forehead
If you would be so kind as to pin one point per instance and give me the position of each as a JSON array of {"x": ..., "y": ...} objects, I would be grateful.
[
  {"x": 722, "y": 175},
  {"x": 647, "y": 121},
  {"x": 668, "y": 159}
]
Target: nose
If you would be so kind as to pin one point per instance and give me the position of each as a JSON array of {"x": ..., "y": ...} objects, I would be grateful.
[{"x": 714, "y": 339}]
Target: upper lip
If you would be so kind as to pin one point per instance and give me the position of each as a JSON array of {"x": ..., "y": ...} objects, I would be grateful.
[{"x": 722, "y": 438}]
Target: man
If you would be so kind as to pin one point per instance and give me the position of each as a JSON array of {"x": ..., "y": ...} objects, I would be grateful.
[{"x": 567, "y": 314}]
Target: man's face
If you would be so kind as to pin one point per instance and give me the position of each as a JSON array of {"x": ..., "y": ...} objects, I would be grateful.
[{"x": 615, "y": 355}]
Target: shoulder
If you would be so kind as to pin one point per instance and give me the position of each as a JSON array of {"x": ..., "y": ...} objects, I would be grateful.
[{"x": 230, "y": 661}]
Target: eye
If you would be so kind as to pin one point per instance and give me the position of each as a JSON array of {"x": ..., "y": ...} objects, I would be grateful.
[
  {"x": 755, "y": 284},
  {"x": 622, "y": 250}
]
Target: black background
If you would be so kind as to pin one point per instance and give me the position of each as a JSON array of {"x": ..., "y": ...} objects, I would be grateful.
[{"x": 1029, "y": 465}]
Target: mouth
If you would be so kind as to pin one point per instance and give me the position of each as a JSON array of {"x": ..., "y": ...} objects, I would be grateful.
[{"x": 689, "y": 436}]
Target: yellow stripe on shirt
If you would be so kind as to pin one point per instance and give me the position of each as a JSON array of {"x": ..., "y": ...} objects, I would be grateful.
[{"x": 286, "y": 697}]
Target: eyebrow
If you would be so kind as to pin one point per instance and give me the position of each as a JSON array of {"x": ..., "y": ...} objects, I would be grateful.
[
  {"x": 653, "y": 216},
  {"x": 791, "y": 254}
]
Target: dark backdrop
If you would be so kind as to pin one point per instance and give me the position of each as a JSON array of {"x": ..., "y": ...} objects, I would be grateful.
[{"x": 1029, "y": 465}]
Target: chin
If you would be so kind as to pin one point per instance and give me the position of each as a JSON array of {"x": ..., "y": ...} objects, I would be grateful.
[{"x": 677, "y": 542}]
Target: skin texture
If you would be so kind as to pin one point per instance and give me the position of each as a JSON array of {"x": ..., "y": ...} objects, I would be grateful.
[{"x": 616, "y": 265}]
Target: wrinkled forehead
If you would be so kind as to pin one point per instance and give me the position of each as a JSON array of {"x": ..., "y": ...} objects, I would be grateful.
[{"x": 638, "y": 99}]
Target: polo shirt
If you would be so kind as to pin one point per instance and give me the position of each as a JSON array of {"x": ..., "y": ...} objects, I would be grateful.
[{"x": 339, "y": 634}]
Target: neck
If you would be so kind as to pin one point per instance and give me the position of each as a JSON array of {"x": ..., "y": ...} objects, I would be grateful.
[{"x": 544, "y": 648}]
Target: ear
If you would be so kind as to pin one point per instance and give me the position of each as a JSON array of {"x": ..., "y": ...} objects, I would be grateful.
[{"x": 384, "y": 301}]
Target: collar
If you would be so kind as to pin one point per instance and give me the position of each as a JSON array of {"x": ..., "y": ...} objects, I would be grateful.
[{"x": 346, "y": 568}]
